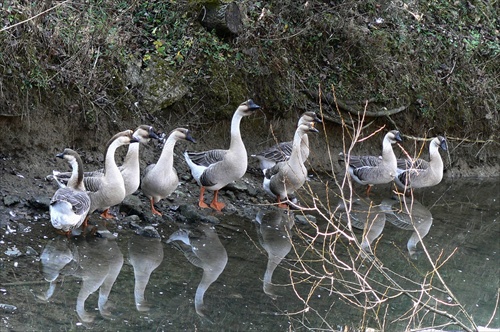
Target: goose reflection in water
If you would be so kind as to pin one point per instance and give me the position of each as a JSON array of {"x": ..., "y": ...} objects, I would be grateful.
[
  {"x": 145, "y": 254},
  {"x": 54, "y": 258},
  {"x": 203, "y": 249},
  {"x": 97, "y": 261},
  {"x": 273, "y": 231},
  {"x": 408, "y": 214},
  {"x": 365, "y": 215}
]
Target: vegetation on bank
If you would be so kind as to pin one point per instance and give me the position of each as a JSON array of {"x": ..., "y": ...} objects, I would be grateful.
[{"x": 440, "y": 59}]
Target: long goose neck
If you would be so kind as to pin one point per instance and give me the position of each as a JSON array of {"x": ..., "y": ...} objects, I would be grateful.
[
  {"x": 296, "y": 154},
  {"x": 388, "y": 155},
  {"x": 110, "y": 163},
  {"x": 132, "y": 157},
  {"x": 166, "y": 160},
  {"x": 304, "y": 147},
  {"x": 76, "y": 179},
  {"x": 236, "y": 141},
  {"x": 434, "y": 157}
]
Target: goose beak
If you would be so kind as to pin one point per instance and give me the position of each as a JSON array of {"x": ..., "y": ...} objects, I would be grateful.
[
  {"x": 444, "y": 145},
  {"x": 190, "y": 138},
  {"x": 252, "y": 106},
  {"x": 398, "y": 137},
  {"x": 152, "y": 134},
  {"x": 60, "y": 155},
  {"x": 312, "y": 129}
]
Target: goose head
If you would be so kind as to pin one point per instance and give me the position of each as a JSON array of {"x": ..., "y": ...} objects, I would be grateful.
[
  {"x": 440, "y": 141},
  {"x": 69, "y": 155},
  {"x": 394, "y": 136},
  {"x": 123, "y": 137},
  {"x": 308, "y": 127},
  {"x": 308, "y": 117},
  {"x": 182, "y": 133},
  {"x": 144, "y": 133},
  {"x": 247, "y": 108}
]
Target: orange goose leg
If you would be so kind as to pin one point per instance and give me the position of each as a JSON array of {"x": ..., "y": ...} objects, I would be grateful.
[
  {"x": 216, "y": 205},
  {"x": 201, "y": 202},
  {"x": 153, "y": 208},
  {"x": 280, "y": 204},
  {"x": 368, "y": 188},
  {"x": 106, "y": 215}
]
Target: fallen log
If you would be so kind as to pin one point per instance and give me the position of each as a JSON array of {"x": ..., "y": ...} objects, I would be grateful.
[{"x": 224, "y": 18}]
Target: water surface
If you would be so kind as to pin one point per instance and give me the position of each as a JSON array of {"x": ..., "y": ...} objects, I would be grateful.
[{"x": 262, "y": 269}]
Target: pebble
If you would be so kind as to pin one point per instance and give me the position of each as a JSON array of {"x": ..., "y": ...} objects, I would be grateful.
[
  {"x": 8, "y": 307},
  {"x": 11, "y": 200},
  {"x": 305, "y": 219},
  {"x": 31, "y": 252},
  {"x": 39, "y": 202},
  {"x": 13, "y": 252}
]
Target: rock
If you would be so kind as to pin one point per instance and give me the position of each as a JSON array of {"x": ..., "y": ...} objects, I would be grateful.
[
  {"x": 231, "y": 196},
  {"x": 179, "y": 193},
  {"x": 9, "y": 308},
  {"x": 252, "y": 191},
  {"x": 305, "y": 219},
  {"x": 192, "y": 214},
  {"x": 31, "y": 252},
  {"x": 11, "y": 200},
  {"x": 186, "y": 177},
  {"x": 148, "y": 231},
  {"x": 39, "y": 202},
  {"x": 161, "y": 87},
  {"x": 21, "y": 228},
  {"x": 132, "y": 205},
  {"x": 13, "y": 252},
  {"x": 237, "y": 186},
  {"x": 133, "y": 221}
]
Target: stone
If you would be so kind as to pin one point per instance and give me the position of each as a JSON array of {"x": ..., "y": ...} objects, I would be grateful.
[
  {"x": 305, "y": 219},
  {"x": 132, "y": 205},
  {"x": 237, "y": 186},
  {"x": 13, "y": 252},
  {"x": 31, "y": 252},
  {"x": 192, "y": 215},
  {"x": 148, "y": 231},
  {"x": 160, "y": 85},
  {"x": 39, "y": 202},
  {"x": 11, "y": 200}
]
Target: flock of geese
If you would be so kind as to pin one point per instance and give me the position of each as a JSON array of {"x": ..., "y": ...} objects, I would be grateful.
[{"x": 81, "y": 193}]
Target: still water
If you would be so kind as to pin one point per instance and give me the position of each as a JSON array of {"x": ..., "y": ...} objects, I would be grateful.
[{"x": 269, "y": 270}]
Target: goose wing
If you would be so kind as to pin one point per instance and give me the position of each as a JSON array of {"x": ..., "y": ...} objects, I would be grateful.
[
  {"x": 364, "y": 161},
  {"x": 207, "y": 158},
  {"x": 277, "y": 153},
  {"x": 79, "y": 200},
  {"x": 93, "y": 184},
  {"x": 418, "y": 163}
]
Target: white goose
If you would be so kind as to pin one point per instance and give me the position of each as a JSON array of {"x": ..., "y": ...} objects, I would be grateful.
[
  {"x": 215, "y": 169},
  {"x": 160, "y": 179},
  {"x": 109, "y": 189},
  {"x": 69, "y": 206},
  {"x": 419, "y": 173},
  {"x": 370, "y": 170},
  {"x": 130, "y": 169},
  {"x": 282, "y": 151},
  {"x": 288, "y": 176}
]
